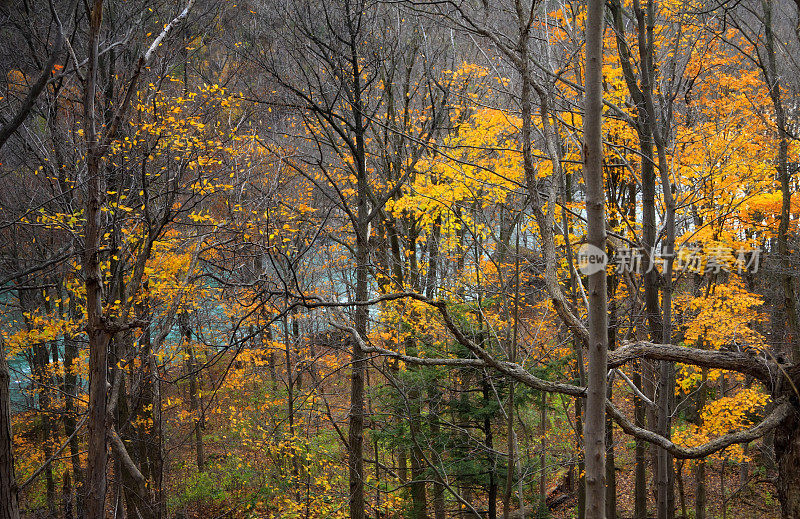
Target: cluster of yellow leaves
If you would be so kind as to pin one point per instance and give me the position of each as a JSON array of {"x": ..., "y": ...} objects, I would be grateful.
[
  {"x": 722, "y": 416},
  {"x": 690, "y": 377},
  {"x": 725, "y": 318},
  {"x": 478, "y": 167}
]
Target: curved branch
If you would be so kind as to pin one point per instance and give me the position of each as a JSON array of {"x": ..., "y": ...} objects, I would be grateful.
[
  {"x": 715, "y": 359},
  {"x": 773, "y": 420}
]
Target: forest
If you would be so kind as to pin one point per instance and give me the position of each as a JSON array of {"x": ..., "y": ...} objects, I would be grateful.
[{"x": 389, "y": 259}]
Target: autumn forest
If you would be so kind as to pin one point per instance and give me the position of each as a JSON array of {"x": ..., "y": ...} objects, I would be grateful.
[{"x": 389, "y": 259}]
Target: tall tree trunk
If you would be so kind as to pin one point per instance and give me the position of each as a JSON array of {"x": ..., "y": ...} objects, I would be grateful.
[
  {"x": 41, "y": 372},
  {"x": 288, "y": 347},
  {"x": 645, "y": 127},
  {"x": 681, "y": 488},
  {"x": 356, "y": 429},
  {"x": 356, "y": 425},
  {"x": 150, "y": 431},
  {"x": 510, "y": 434},
  {"x": 434, "y": 395},
  {"x": 510, "y": 439},
  {"x": 594, "y": 425},
  {"x": 95, "y": 328},
  {"x": 156, "y": 443},
  {"x": 66, "y": 493}
]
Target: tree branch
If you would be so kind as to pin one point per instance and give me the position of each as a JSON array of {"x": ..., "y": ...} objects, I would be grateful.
[
  {"x": 9, "y": 128},
  {"x": 55, "y": 455},
  {"x": 778, "y": 415},
  {"x": 717, "y": 359}
]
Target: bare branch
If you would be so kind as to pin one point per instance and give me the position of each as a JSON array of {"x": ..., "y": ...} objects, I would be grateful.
[
  {"x": 9, "y": 128},
  {"x": 55, "y": 455},
  {"x": 773, "y": 420},
  {"x": 716, "y": 359}
]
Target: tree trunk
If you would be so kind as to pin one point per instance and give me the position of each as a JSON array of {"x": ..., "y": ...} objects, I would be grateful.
[
  {"x": 772, "y": 77},
  {"x": 489, "y": 443},
  {"x": 700, "y": 503},
  {"x": 419, "y": 502},
  {"x": 95, "y": 327},
  {"x": 66, "y": 494},
  {"x": 510, "y": 434},
  {"x": 594, "y": 426},
  {"x": 156, "y": 443},
  {"x": 195, "y": 407},
  {"x": 640, "y": 478},
  {"x": 41, "y": 372},
  {"x": 681, "y": 488},
  {"x": 9, "y": 499},
  {"x": 433, "y": 421},
  {"x": 356, "y": 425},
  {"x": 787, "y": 455},
  {"x": 543, "y": 453},
  {"x": 611, "y": 476},
  {"x": 71, "y": 390},
  {"x": 288, "y": 347}
]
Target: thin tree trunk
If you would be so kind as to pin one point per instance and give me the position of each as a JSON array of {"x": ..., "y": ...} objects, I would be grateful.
[
  {"x": 489, "y": 443},
  {"x": 41, "y": 371},
  {"x": 195, "y": 405},
  {"x": 681, "y": 489},
  {"x": 640, "y": 477},
  {"x": 156, "y": 450},
  {"x": 510, "y": 434},
  {"x": 419, "y": 504},
  {"x": 723, "y": 499},
  {"x": 611, "y": 476},
  {"x": 433, "y": 421},
  {"x": 66, "y": 494},
  {"x": 700, "y": 503},
  {"x": 288, "y": 345},
  {"x": 71, "y": 390},
  {"x": 356, "y": 425},
  {"x": 543, "y": 453},
  {"x": 511, "y": 453},
  {"x": 581, "y": 462}
]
